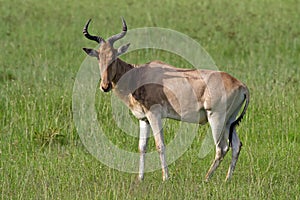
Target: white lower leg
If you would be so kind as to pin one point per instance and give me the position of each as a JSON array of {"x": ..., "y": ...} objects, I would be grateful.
[
  {"x": 220, "y": 153},
  {"x": 142, "y": 166},
  {"x": 144, "y": 134},
  {"x": 155, "y": 120},
  {"x": 164, "y": 166}
]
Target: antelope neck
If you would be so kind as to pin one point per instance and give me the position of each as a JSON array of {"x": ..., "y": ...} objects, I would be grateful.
[{"x": 121, "y": 68}]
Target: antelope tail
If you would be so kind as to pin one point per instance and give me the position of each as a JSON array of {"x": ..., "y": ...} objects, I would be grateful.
[{"x": 239, "y": 119}]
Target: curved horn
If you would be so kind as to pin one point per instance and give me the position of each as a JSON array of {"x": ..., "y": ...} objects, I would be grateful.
[
  {"x": 116, "y": 37},
  {"x": 91, "y": 37}
]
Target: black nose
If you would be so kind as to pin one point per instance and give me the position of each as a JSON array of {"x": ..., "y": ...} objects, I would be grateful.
[{"x": 106, "y": 89}]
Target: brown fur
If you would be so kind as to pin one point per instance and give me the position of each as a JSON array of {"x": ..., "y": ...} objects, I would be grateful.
[{"x": 157, "y": 90}]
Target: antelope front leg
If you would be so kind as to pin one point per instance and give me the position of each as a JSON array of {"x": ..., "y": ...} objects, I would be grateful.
[
  {"x": 156, "y": 124},
  {"x": 143, "y": 140}
]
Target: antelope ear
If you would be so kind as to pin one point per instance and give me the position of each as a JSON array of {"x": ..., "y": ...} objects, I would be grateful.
[
  {"x": 123, "y": 49},
  {"x": 91, "y": 52}
]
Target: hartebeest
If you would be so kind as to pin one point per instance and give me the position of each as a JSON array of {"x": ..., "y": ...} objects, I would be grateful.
[{"x": 156, "y": 90}]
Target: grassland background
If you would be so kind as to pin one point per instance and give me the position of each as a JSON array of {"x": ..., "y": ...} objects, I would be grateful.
[{"x": 41, "y": 155}]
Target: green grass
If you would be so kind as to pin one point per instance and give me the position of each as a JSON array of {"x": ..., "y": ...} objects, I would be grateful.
[{"x": 41, "y": 155}]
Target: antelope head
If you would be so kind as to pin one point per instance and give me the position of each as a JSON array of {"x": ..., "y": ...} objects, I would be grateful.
[{"x": 106, "y": 55}]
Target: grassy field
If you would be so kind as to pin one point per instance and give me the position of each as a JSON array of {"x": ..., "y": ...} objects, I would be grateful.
[{"x": 41, "y": 154}]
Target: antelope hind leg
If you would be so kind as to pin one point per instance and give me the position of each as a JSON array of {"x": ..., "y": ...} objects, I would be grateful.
[{"x": 236, "y": 148}]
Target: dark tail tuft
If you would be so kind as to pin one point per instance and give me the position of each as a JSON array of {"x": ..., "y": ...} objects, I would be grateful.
[{"x": 239, "y": 119}]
